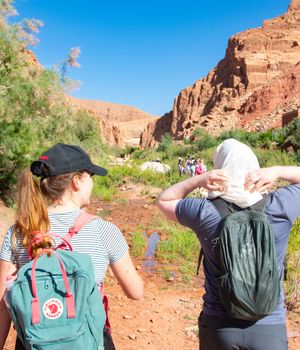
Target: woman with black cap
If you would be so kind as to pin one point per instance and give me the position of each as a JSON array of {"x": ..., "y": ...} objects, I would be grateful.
[{"x": 53, "y": 204}]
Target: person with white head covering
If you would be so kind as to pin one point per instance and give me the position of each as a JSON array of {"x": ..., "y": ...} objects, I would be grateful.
[
  {"x": 236, "y": 160},
  {"x": 236, "y": 178}
]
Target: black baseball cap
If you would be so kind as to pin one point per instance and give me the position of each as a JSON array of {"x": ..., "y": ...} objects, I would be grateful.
[{"x": 64, "y": 159}]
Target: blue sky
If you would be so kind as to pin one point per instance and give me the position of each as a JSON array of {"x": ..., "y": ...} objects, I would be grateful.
[{"x": 141, "y": 53}]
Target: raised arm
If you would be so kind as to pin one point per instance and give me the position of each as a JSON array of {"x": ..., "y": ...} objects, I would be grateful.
[
  {"x": 126, "y": 274},
  {"x": 264, "y": 178},
  {"x": 213, "y": 180}
]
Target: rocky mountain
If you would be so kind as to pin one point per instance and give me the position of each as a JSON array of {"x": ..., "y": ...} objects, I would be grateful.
[
  {"x": 256, "y": 83},
  {"x": 121, "y": 125}
]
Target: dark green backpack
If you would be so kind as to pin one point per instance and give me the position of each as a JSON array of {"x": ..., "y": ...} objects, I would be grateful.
[{"x": 248, "y": 280}]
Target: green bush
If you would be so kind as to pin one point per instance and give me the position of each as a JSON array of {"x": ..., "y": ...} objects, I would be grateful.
[
  {"x": 139, "y": 244},
  {"x": 181, "y": 243},
  {"x": 292, "y": 134},
  {"x": 292, "y": 284},
  {"x": 33, "y": 110},
  {"x": 239, "y": 135},
  {"x": 165, "y": 143},
  {"x": 268, "y": 158},
  {"x": 294, "y": 239}
]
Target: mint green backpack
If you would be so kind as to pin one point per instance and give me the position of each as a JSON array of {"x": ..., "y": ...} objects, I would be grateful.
[{"x": 56, "y": 303}]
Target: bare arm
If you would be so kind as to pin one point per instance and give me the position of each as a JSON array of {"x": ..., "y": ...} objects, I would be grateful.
[
  {"x": 6, "y": 268},
  {"x": 262, "y": 179},
  {"x": 129, "y": 279},
  {"x": 213, "y": 180}
]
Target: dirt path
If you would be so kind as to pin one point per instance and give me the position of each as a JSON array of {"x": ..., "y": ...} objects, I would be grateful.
[{"x": 166, "y": 318}]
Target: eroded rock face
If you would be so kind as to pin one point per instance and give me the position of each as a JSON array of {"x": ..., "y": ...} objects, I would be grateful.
[
  {"x": 257, "y": 80},
  {"x": 121, "y": 125},
  {"x": 265, "y": 107},
  {"x": 158, "y": 128}
]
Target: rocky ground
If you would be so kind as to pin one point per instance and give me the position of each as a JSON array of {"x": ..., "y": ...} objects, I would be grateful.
[{"x": 166, "y": 318}]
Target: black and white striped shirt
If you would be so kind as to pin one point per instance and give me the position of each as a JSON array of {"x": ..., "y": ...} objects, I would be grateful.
[{"x": 101, "y": 239}]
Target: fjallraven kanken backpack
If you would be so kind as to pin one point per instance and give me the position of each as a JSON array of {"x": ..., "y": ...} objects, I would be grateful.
[
  {"x": 248, "y": 280},
  {"x": 55, "y": 302}
]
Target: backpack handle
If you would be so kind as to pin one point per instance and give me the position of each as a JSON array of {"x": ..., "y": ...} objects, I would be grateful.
[
  {"x": 38, "y": 238},
  {"x": 35, "y": 303}
]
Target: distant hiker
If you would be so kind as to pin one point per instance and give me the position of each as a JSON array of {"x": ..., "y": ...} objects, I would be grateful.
[
  {"x": 193, "y": 167},
  {"x": 180, "y": 166},
  {"x": 235, "y": 185},
  {"x": 53, "y": 204},
  {"x": 187, "y": 167},
  {"x": 201, "y": 168}
]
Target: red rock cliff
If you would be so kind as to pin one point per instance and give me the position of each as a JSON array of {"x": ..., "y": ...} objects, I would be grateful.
[{"x": 256, "y": 82}]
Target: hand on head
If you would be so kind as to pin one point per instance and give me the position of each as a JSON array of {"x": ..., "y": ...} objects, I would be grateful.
[
  {"x": 260, "y": 180},
  {"x": 215, "y": 180}
]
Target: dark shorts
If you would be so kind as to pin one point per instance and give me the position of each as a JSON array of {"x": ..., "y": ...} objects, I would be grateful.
[
  {"x": 216, "y": 333},
  {"x": 19, "y": 345}
]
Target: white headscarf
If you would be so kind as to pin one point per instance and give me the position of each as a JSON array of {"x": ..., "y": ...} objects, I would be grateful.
[{"x": 236, "y": 159}]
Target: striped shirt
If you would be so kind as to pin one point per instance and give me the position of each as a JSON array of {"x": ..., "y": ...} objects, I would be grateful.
[{"x": 101, "y": 239}]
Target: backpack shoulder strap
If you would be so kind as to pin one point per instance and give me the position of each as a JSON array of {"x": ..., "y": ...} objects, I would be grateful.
[
  {"x": 223, "y": 207},
  {"x": 261, "y": 205},
  {"x": 81, "y": 221}
]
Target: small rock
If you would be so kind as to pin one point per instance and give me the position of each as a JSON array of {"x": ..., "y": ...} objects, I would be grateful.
[
  {"x": 184, "y": 300},
  {"x": 191, "y": 331},
  {"x": 132, "y": 336},
  {"x": 127, "y": 317},
  {"x": 141, "y": 330}
]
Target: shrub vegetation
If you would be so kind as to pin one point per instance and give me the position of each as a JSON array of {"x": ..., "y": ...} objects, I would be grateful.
[{"x": 33, "y": 110}]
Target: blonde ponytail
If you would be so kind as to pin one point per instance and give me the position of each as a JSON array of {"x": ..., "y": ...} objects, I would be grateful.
[{"x": 32, "y": 213}]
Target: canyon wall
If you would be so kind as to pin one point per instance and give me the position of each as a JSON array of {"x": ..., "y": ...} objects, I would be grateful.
[{"x": 251, "y": 88}]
